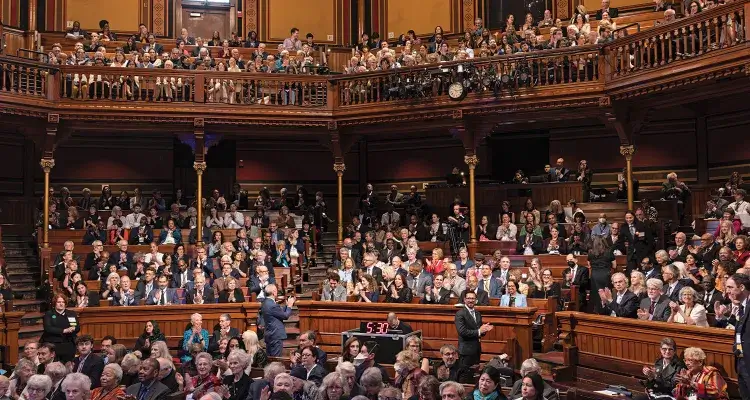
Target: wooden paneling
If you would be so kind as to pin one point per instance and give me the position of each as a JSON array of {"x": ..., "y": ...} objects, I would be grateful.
[
  {"x": 14, "y": 39},
  {"x": 623, "y": 346},
  {"x": 123, "y": 15},
  {"x": 437, "y": 323},
  {"x": 318, "y": 17},
  {"x": 593, "y": 5},
  {"x": 10, "y": 323},
  {"x": 728, "y": 140},
  {"x": 210, "y": 20},
  {"x": 17, "y": 211},
  {"x": 421, "y": 16}
]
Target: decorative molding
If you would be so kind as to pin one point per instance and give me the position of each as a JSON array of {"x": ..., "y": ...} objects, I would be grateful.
[
  {"x": 47, "y": 164},
  {"x": 627, "y": 151},
  {"x": 458, "y": 114},
  {"x": 199, "y": 123},
  {"x": 250, "y": 15},
  {"x": 53, "y": 118},
  {"x": 158, "y": 22},
  {"x": 333, "y": 125},
  {"x": 605, "y": 101},
  {"x": 562, "y": 8},
  {"x": 471, "y": 161},
  {"x": 708, "y": 76},
  {"x": 339, "y": 168},
  {"x": 199, "y": 167},
  {"x": 468, "y": 11}
]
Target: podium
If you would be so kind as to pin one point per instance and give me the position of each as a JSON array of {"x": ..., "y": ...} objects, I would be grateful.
[{"x": 389, "y": 343}]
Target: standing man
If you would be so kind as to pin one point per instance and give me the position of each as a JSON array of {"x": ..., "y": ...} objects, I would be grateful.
[
  {"x": 470, "y": 329},
  {"x": 738, "y": 290},
  {"x": 274, "y": 316}
]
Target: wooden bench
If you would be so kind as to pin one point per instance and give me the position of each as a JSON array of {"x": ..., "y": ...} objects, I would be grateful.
[
  {"x": 612, "y": 350},
  {"x": 512, "y": 334}
]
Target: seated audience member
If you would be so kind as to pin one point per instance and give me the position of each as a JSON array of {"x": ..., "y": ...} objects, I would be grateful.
[
  {"x": 623, "y": 303},
  {"x": 200, "y": 293},
  {"x": 418, "y": 279},
  {"x": 126, "y": 295},
  {"x": 195, "y": 334},
  {"x": 655, "y": 307},
  {"x": 555, "y": 244},
  {"x": 141, "y": 234},
  {"x": 661, "y": 378},
  {"x": 258, "y": 282},
  {"x": 454, "y": 283},
  {"x": 77, "y": 386},
  {"x": 151, "y": 334},
  {"x": 24, "y": 372},
  {"x": 531, "y": 366},
  {"x": 472, "y": 285},
  {"x": 672, "y": 285},
  {"x": 162, "y": 294},
  {"x": 148, "y": 382},
  {"x": 110, "y": 388},
  {"x": 309, "y": 366},
  {"x": 335, "y": 291},
  {"x": 489, "y": 385},
  {"x": 512, "y": 298},
  {"x": 81, "y": 297},
  {"x": 529, "y": 242},
  {"x": 437, "y": 293},
  {"x": 232, "y": 293},
  {"x": 689, "y": 312},
  {"x": 489, "y": 283},
  {"x": 398, "y": 291},
  {"x": 171, "y": 234},
  {"x": 507, "y": 231},
  {"x": 449, "y": 368},
  {"x": 87, "y": 362},
  {"x": 367, "y": 289},
  {"x": 699, "y": 380},
  {"x": 409, "y": 374},
  {"x": 710, "y": 294}
]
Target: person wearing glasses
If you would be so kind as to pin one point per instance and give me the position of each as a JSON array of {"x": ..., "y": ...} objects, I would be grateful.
[
  {"x": 37, "y": 387},
  {"x": 698, "y": 380},
  {"x": 661, "y": 377}
]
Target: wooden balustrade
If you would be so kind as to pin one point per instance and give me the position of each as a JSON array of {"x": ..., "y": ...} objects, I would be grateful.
[
  {"x": 265, "y": 89},
  {"x": 612, "y": 350},
  {"x": 24, "y": 78},
  {"x": 711, "y": 30}
]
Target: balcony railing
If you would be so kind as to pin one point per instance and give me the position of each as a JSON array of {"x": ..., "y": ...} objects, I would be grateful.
[{"x": 594, "y": 70}]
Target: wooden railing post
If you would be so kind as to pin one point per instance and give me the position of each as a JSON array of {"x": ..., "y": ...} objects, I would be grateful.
[
  {"x": 53, "y": 85},
  {"x": 199, "y": 89},
  {"x": 332, "y": 95}
]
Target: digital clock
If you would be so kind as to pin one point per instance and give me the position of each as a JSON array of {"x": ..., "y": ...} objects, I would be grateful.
[{"x": 378, "y": 328}]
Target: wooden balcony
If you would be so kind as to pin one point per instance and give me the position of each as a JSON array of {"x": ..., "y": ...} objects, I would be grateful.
[{"x": 669, "y": 61}]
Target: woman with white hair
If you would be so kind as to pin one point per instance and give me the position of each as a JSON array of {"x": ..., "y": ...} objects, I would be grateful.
[
  {"x": 258, "y": 356},
  {"x": 37, "y": 388},
  {"x": 23, "y": 372},
  {"x": 238, "y": 383},
  {"x": 372, "y": 382},
  {"x": 332, "y": 388},
  {"x": 689, "y": 312},
  {"x": 77, "y": 386},
  {"x": 110, "y": 388},
  {"x": 204, "y": 382},
  {"x": 348, "y": 374},
  {"x": 194, "y": 334},
  {"x": 56, "y": 371},
  {"x": 532, "y": 366},
  {"x": 130, "y": 366}
]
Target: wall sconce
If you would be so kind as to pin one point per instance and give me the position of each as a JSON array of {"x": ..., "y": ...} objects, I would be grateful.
[{"x": 241, "y": 164}]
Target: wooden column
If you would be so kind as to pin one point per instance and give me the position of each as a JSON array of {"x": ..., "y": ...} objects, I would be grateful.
[
  {"x": 472, "y": 161},
  {"x": 339, "y": 168},
  {"x": 628, "y": 152},
  {"x": 200, "y": 166},
  {"x": 47, "y": 165}
]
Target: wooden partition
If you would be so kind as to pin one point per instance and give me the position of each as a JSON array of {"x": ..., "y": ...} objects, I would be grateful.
[
  {"x": 127, "y": 323},
  {"x": 614, "y": 350},
  {"x": 512, "y": 334},
  {"x": 10, "y": 323}
]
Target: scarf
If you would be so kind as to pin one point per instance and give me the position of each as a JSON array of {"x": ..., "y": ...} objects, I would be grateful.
[{"x": 478, "y": 396}]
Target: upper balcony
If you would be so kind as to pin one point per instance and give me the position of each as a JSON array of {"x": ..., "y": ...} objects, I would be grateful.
[{"x": 703, "y": 56}]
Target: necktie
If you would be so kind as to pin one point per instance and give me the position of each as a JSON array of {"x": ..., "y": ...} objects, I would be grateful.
[
  {"x": 741, "y": 311},
  {"x": 163, "y": 300},
  {"x": 632, "y": 230},
  {"x": 473, "y": 315},
  {"x": 142, "y": 392},
  {"x": 512, "y": 301},
  {"x": 487, "y": 285},
  {"x": 80, "y": 365},
  {"x": 651, "y": 309}
]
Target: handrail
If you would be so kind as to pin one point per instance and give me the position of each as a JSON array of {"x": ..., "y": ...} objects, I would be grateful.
[{"x": 44, "y": 57}]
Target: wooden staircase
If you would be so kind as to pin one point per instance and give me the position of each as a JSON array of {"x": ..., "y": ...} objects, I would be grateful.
[{"x": 25, "y": 278}]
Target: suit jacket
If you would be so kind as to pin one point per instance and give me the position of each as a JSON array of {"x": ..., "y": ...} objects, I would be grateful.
[
  {"x": 169, "y": 293},
  {"x": 377, "y": 273},
  {"x": 618, "y": 244},
  {"x": 717, "y": 295},
  {"x": 316, "y": 374},
  {"x": 338, "y": 294},
  {"x": 213, "y": 343},
  {"x": 581, "y": 279},
  {"x": 148, "y": 236},
  {"x": 627, "y": 308},
  {"x": 157, "y": 391},
  {"x": 495, "y": 289},
  {"x": 560, "y": 174},
  {"x": 519, "y": 302},
  {"x": 546, "y": 234},
  {"x": 661, "y": 311},
  {"x": 386, "y": 255},
  {"x": 681, "y": 256},
  {"x": 705, "y": 256},
  {"x": 675, "y": 295},
  {"x": 483, "y": 299},
  {"x": 208, "y": 296},
  {"x": 664, "y": 381},
  {"x": 254, "y": 284},
  {"x": 468, "y": 333},
  {"x": 177, "y": 278},
  {"x": 131, "y": 301},
  {"x": 274, "y": 316},
  {"x": 613, "y": 13},
  {"x": 640, "y": 245},
  {"x": 442, "y": 298},
  {"x": 93, "y": 366},
  {"x": 423, "y": 280},
  {"x": 537, "y": 244}
]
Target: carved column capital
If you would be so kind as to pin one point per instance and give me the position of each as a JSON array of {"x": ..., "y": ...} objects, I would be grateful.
[
  {"x": 199, "y": 167},
  {"x": 339, "y": 168},
  {"x": 471, "y": 161},
  {"x": 627, "y": 151},
  {"x": 47, "y": 164}
]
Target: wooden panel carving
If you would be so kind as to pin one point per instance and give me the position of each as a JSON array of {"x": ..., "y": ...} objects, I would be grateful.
[{"x": 250, "y": 15}]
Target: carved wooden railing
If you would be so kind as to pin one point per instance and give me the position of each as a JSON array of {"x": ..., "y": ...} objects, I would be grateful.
[
  {"x": 711, "y": 30},
  {"x": 620, "y": 68}
]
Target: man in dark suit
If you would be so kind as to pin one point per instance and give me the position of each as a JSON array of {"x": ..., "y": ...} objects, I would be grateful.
[
  {"x": 390, "y": 251},
  {"x": 148, "y": 387},
  {"x": 200, "y": 293},
  {"x": 395, "y": 324},
  {"x": 489, "y": 283},
  {"x": 418, "y": 279},
  {"x": 481, "y": 298},
  {"x": 437, "y": 294},
  {"x": 153, "y": 45},
  {"x": 679, "y": 251},
  {"x": 672, "y": 285},
  {"x": 87, "y": 362},
  {"x": 147, "y": 284},
  {"x": 655, "y": 307},
  {"x": 737, "y": 289},
  {"x": 225, "y": 331},
  {"x": 710, "y": 295},
  {"x": 258, "y": 282},
  {"x": 274, "y": 317},
  {"x": 613, "y": 12},
  {"x": 707, "y": 252},
  {"x": 648, "y": 269},
  {"x": 163, "y": 294},
  {"x": 623, "y": 303},
  {"x": 201, "y": 261},
  {"x": 122, "y": 258},
  {"x": 640, "y": 240},
  {"x": 450, "y": 369},
  {"x": 470, "y": 329},
  {"x": 560, "y": 173},
  {"x": 242, "y": 243},
  {"x": 126, "y": 296},
  {"x": 615, "y": 240},
  {"x": 579, "y": 276},
  {"x": 552, "y": 222},
  {"x": 368, "y": 267},
  {"x": 660, "y": 378},
  {"x": 181, "y": 275}
]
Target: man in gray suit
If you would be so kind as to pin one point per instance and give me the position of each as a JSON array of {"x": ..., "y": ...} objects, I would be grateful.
[
  {"x": 452, "y": 281},
  {"x": 418, "y": 280},
  {"x": 334, "y": 291},
  {"x": 655, "y": 307},
  {"x": 148, "y": 387}
]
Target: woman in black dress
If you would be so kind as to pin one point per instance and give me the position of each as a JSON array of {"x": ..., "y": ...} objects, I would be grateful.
[
  {"x": 601, "y": 263},
  {"x": 61, "y": 328}
]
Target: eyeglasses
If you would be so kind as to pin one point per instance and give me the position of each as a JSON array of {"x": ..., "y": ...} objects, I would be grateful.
[
  {"x": 667, "y": 349},
  {"x": 33, "y": 389},
  {"x": 306, "y": 355}
]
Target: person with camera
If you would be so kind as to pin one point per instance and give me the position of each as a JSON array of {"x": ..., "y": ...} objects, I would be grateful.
[
  {"x": 274, "y": 315},
  {"x": 458, "y": 227}
]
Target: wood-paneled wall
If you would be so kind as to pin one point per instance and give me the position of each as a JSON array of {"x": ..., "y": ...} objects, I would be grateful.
[
  {"x": 123, "y": 16},
  {"x": 10, "y": 323}
]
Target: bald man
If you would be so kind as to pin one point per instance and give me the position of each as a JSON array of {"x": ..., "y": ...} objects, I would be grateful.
[{"x": 679, "y": 251}]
